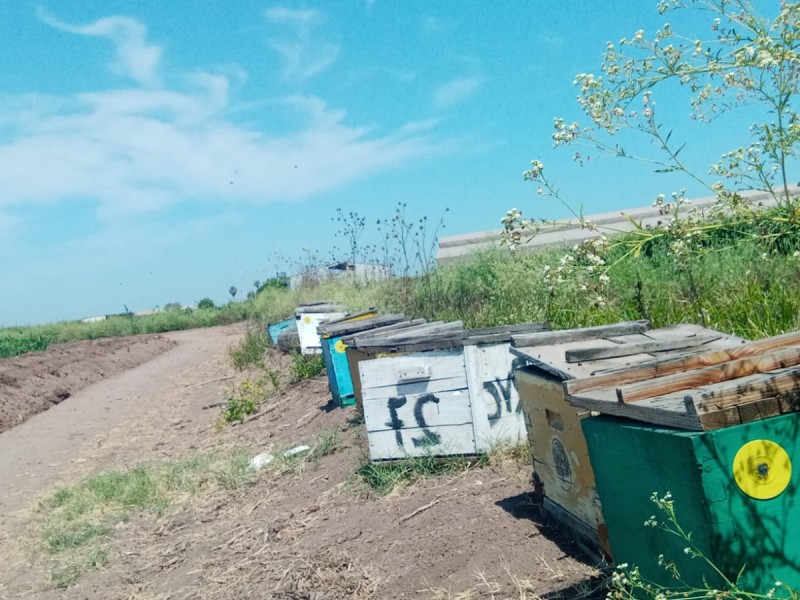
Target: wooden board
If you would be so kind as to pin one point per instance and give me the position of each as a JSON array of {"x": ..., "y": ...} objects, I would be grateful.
[
  {"x": 714, "y": 356},
  {"x": 575, "y": 335},
  {"x": 417, "y": 404},
  {"x": 436, "y": 441},
  {"x": 349, "y": 327},
  {"x": 428, "y": 366},
  {"x": 497, "y": 414},
  {"x": 418, "y": 410},
  {"x": 769, "y": 361},
  {"x": 458, "y": 382},
  {"x": 597, "y": 353},
  {"x": 701, "y": 391},
  {"x": 502, "y": 333}
]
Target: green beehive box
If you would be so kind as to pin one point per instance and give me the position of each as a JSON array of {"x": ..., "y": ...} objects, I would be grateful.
[{"x": 632, "y": 460}]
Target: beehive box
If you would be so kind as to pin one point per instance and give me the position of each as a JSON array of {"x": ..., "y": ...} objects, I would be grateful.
[
  {"x": 334, "y": 350},
  {"x": 728, "y": 468},
  {"x": 440, "y": 392},
  {"x": 277, "y": 328},
  {"x": 356, "y": 353},
  {"x": 308, "y": 317},
  {"x": 563, "y": 477}
]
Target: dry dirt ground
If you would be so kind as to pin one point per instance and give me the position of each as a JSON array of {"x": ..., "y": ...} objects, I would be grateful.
[{"x": 311, "y": 530}]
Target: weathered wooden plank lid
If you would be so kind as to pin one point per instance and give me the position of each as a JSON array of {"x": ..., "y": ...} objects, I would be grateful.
[
  {"x": 353, "y": 338},
  {"x": 319, "y": 307},
  {"x": 437, "y": 335},
  {"x": 342, "y": 327},
  {"x": 701, "y": 391},
  {"x": 354, "y": 316},
  {"x": 578, "y": 353},
  {"x": 501, "y": 333}
]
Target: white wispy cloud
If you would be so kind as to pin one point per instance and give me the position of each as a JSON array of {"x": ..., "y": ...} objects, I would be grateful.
[
  {"x": 455, "y": 91},
  {"x": 136, "y": 57},
  {"x": 143, "y": 148},
  {"x": 304, "y": 51}
]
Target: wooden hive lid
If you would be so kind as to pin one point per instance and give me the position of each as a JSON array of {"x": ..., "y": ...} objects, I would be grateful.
[
  {"x": 437, "y": 335},
  {"x": 501, "y": 333},
  {"x": 714, "y": 388},
  {"x": 319, "y": 307},
  {"x": 340, "y": 328}
]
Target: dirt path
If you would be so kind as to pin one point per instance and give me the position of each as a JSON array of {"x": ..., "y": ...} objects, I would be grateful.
[
  {"x": 40, "y": 450},
  {"x": 311, "y": 530}
]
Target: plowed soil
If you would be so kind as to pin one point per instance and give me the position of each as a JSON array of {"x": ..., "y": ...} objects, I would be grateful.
[
  {"x": 32, "y": 383},
  {"x": 311, "y": 532}
]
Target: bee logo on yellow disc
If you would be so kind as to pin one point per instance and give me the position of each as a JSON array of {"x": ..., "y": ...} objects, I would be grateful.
[
  {"x": 762, "y": 469},
  {"x": 340, "y": 346},
  {"x": 307, "y": 320}
]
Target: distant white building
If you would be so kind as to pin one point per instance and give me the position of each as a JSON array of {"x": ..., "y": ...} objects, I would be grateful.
[
  {"x": 358, "y": 272},
  {"x": 94, "y": 319},
  {"x": 568, "y": 232}
]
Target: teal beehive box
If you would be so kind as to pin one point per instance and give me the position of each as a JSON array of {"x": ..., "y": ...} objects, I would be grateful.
[
  {"x": 736, "y": 526},
  {"x": 334, "y": 349},
  {"x": 718, "y": 431},
  {"x": 277, "y": 328}
]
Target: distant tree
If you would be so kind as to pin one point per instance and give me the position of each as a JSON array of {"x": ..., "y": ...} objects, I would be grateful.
[
  {"x": 206, "y": 303},
  {"x": 233, "y": 291},
  {"x": 173, "y": 306},
  {"x": 280, "y": 282}
]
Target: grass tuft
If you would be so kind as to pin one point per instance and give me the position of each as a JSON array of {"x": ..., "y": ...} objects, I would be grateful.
[
  {"x": 305, "y": 366},
  {"x": 382, "y": 479},
  {"x": 249, "y": 352}
]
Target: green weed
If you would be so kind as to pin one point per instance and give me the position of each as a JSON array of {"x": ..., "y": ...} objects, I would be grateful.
[
  {"x": 305, "y": 366},
  {"x": 243, "y": 401},
  {"x": 383, "y": 478},
  {"x": 328, "y": 442},
  {"x": 249, "y": 352}
]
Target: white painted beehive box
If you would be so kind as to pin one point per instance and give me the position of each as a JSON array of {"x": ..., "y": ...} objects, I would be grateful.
[
  {"x": 308, "y": 319},
  {"x": 461, "y": 401}
]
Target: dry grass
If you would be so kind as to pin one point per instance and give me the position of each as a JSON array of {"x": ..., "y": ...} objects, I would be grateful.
[{"x": 513, "y": 586}]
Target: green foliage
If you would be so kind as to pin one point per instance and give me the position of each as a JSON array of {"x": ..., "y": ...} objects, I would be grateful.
[
  {"x": 627, "y": 583},
  {"x": 249, "y": 352},
  {"x": 328, "y": 442},
  {"x": 243, "y": 401},
  {"x": 206, "y": 304},
  {"x": 19, "y": 340},
  {"x": 383, "y": 478},
  {"x": 305, "y": 366},
  {"x": 13, "y": 343}
]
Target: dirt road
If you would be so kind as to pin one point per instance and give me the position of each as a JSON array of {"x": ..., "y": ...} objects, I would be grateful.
[
  {"x": 48, "y": 445},
  {"x": 311, "y": 530}
]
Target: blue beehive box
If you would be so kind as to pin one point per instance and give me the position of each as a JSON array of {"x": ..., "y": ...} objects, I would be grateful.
[
  {"x": 277, "y": 328},
  {"x": 334, "y": 349}
]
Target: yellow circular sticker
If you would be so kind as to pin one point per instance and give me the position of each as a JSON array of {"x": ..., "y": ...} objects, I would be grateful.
[
  {"x": 762, "y": 469},
  {"x": 307, "y": 320},
  {"x": 340, "y": 346}
]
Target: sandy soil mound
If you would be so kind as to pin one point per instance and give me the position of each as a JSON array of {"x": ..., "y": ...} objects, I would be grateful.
[{"x": 32, "y": 383}]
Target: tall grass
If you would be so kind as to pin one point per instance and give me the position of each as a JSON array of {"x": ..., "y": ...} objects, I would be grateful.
[{"x": 736, "y": 288}]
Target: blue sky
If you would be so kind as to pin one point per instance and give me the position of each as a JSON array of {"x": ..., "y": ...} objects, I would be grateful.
[{"x": 155, "y": 152}]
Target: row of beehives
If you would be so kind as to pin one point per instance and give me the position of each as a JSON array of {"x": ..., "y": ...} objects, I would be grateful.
[{"x": 696, "y": 408}]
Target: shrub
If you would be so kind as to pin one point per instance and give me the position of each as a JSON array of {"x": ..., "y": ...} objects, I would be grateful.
[
  {"x": 304, "y": 367},
  {"x": 250, "y": 351}
]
